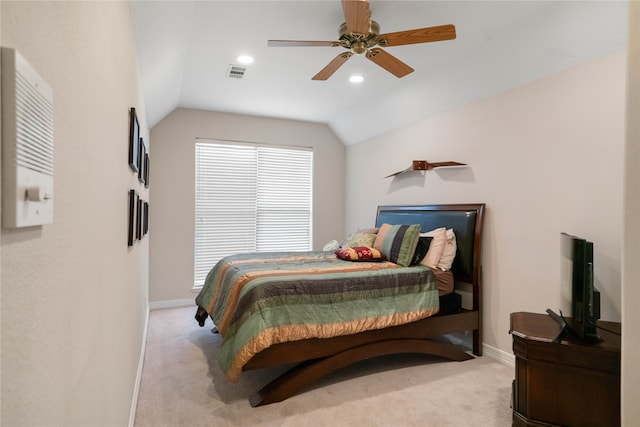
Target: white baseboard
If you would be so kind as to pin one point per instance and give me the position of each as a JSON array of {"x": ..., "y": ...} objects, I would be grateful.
[
  {"x": 499, "y": 355},
  {"x": 172, "y": 303},
  {"x": 136, "y": 388}
]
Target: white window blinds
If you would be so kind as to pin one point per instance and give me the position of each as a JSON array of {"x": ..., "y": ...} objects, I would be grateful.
[{"x": 250, "y": 198}]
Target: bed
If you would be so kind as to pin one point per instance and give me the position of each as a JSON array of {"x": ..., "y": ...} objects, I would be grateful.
[{"x": 422, "y": 314}]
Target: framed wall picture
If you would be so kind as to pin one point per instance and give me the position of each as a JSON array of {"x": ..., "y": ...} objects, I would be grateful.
[
  {"x": 133, "y": 207},
  {"x": 134, "y": 140},
  {"x": 141, "y": 156},
  {"x": 139, "y": 218},
  {"x": 145, "y": 221},
  {"x": 146, "y": 170}
]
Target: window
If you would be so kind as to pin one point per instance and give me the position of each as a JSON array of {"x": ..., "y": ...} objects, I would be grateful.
[{"x": 250, "y": 198}]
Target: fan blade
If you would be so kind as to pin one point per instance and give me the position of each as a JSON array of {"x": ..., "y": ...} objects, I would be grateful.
[
  {"x": 444, "y": 164},
  {"x": 331, "y": 68},
  {"x": 420, "y": 35},
  {"x": 356, "y": 15},
  {"x": 389, "y": 62},
  {"x": 298, "y": 43},
  {"x": 409, "y": 169}
]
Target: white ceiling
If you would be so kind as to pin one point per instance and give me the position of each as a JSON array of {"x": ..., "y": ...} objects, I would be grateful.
[{"x": 185, "y": 49}]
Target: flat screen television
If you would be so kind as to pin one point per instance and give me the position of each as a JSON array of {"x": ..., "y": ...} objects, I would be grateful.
[{"x": 578, "y": 289}]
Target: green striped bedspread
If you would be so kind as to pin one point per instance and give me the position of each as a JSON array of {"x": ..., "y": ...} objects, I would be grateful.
[{"x": 261, "y": 299}]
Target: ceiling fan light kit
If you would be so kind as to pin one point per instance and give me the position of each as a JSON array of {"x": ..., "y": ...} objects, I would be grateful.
[{"x": 360, "y": 35}]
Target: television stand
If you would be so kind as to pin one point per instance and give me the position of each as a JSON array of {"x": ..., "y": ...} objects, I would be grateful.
[{"x": 567, "y": 382}]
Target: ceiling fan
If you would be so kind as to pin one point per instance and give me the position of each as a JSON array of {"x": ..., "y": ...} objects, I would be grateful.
[{"x": 360, "y": 34}]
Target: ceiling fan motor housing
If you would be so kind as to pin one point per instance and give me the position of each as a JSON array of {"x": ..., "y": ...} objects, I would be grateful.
[{"x": 359, "y": 43}]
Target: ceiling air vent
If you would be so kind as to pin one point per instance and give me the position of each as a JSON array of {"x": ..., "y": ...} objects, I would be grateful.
[{"x": 236, "y": 71}]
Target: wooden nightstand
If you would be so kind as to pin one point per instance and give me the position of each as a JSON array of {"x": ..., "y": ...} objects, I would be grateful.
[{"x": 569, "y": 383}]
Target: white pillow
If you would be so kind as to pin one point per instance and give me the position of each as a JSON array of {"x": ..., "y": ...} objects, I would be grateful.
[
  {"x": 331, "y": 246},
  {"x": 439, "y": 236},
  {"x": 449, "y": 252}
]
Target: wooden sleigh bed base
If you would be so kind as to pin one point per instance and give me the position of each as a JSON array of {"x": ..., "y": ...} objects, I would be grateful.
[{"x": 320, "y": 357}]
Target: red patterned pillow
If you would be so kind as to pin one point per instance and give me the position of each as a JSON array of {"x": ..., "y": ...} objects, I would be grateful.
[{"x": 360, "y": 253}]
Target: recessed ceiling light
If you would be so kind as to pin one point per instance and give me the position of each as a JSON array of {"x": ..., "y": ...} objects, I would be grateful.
[
  {"x": 356, "y": 79},
  {"x": 245, "y": 59}
]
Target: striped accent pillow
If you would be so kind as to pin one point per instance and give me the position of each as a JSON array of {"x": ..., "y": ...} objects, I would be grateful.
[{"x": 398, "y": 242}]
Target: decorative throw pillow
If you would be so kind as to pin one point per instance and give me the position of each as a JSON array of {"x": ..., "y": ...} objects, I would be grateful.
[
  {"x": 398, "y": 242},
  {"x": 360, "y": 253},
  {"x": 421, "y": 250},
  {"x": 372, "y": 230},
  {"x": 449, "y": 252},
  {"x": 436, "y": 247},
  {"x": 358, "y": 239}
]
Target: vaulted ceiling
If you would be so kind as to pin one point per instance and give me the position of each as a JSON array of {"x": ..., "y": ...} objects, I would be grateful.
[{"x": 185, "y": 50}]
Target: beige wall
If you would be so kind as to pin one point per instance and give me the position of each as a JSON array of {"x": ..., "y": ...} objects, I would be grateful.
[
  {"x": 74, "y": 297},
  {"x": 545, "y": 157},
  {"x": 631, "y": 254},
  {"x": 172, "y": 177}
]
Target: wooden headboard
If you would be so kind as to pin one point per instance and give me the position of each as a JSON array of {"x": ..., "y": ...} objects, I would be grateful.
[{"x": 465, "y": 220}]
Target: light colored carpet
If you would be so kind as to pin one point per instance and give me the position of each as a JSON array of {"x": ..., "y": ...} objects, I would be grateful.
[{"x": 182, "y": 385}]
